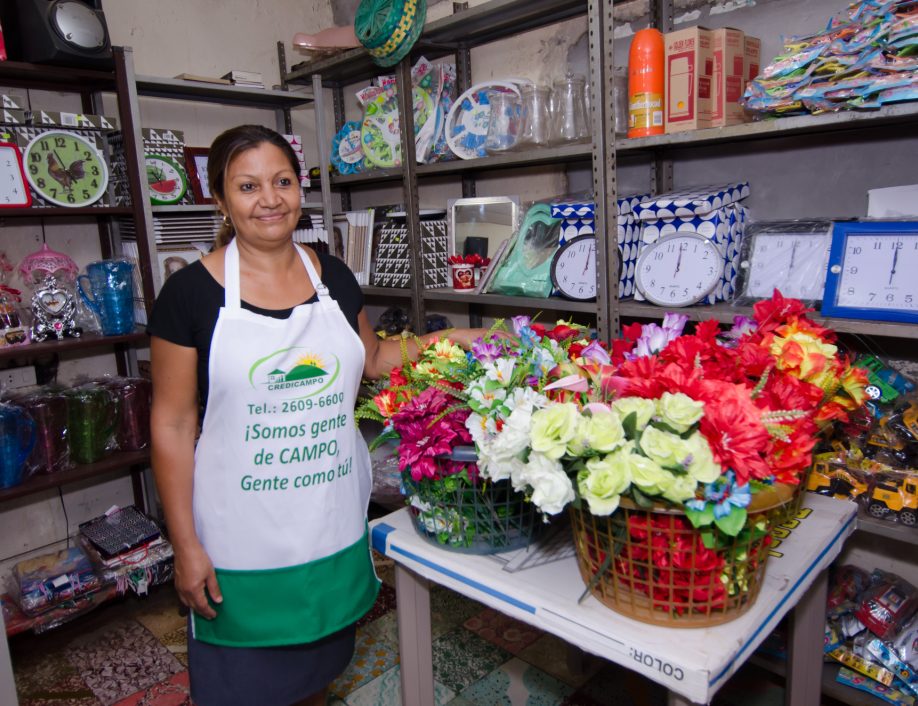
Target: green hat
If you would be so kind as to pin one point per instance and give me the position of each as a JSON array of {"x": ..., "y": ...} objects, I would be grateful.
[
  {"x": 376, "y": 20},
  {"x": 411, "y": 15}
]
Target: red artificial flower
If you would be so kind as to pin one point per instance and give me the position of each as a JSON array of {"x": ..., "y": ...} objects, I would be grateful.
[
  {"x": 538, "y": 329},
  {"x": 733, "y": 428},
  {"x": 397, "y": 378},
  {"x": 575, "y": 350},
  {"x": 771, "y": 313},
  {"x": 562, "y": 332}
]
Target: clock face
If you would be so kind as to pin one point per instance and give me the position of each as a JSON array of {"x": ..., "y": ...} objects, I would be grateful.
[
  {"x": 166, "y": 180},
  {"x": 573, "y": 269},
  {"x": 792, "y": 262},
  {"x": 872, "y": 271},
  {"x": 65, "y": 169},
  {"x": 679, "y": 270},
  {"x": 13, "y": 190}
]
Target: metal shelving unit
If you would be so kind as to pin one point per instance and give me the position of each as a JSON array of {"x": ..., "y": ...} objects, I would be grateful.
[
  {"x": 830, "y": 687},
  {"x": 887, "y": 530},
  {"x": 499, "y": 300}
]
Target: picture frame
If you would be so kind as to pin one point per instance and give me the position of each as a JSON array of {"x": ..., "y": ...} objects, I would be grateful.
[
  {"x": 170, "y": 261},
  {"x": 196, "y": 166}
]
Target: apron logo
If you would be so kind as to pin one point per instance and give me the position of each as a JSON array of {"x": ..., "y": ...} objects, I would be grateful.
[{"x": 294, "y": 371}]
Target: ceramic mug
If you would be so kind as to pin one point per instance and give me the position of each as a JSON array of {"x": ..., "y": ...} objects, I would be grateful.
[
  {"x": 111, "y": 284},
  {"x": 463, "y": 277},
  {"x": 17, "y": 436}
]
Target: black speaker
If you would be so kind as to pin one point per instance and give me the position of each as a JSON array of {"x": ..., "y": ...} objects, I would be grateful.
[{"x": 63, "y": 32}]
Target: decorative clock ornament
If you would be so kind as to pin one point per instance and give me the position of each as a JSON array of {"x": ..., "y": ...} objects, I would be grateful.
[
  {"x": 680, "y": 270},
  {"x": 13, "y": 190},
  {"x": 53, "y": 312},
  {"x": 65, "y": 169},
  {"x": 45, "y": 262},
  {"x": 871, "y": 273},
  {"x": 790, "y": 256},
  {"x": 573, "y": 268},
  {"x": 166, "y": 180}
]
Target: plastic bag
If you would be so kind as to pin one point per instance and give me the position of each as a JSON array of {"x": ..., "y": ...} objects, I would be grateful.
[
  {"x": 527, "y": 270},
  {"x": 887, "y": 605},
  {"x": 46, "y": 581}
]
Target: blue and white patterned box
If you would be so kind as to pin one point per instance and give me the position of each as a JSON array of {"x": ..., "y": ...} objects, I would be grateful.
[
  {"x": 576, "y": 219},
  {"x": 711, "y": 211}
]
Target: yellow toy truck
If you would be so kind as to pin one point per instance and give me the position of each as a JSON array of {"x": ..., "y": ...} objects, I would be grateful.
[{"x": 895, "y": 496}]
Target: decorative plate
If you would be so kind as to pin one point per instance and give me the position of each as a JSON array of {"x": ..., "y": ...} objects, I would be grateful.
[
  {"x": 379, "y": 133},
  {"x": 467, "y": 122},
  {"x": 346, "y": 152}
]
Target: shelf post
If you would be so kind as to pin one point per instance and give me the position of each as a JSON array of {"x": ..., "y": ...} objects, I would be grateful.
[
  {"x": 410, "y": 190},
  {"x": 661, "y": 168},
  {"x": 340, "y": 118},
  {"x": 322, "y": 145},
  {"x": 282, "y": 117},
  {"x": 602, "y": 115}
]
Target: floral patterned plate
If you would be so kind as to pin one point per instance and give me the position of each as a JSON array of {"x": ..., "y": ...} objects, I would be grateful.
[
  {"x": 379, "y": 133},
  {"x": 346, "y": 152},
  {"x": 467, "y": 122}
]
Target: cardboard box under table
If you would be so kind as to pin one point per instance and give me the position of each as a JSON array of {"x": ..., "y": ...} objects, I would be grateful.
[
  {"x": 711, "y": 211},
  {"x": 692, "y": 663}
]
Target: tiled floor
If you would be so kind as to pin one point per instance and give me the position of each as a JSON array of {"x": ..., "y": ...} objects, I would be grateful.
[{"x": 134, "y": 652}]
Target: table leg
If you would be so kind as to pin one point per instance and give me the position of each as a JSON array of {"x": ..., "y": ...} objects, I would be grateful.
[
  {"x": 805, "y": 643},
  {"x": 7, "y": 684},
  {"x": 674, "y": 699},
  {"x": 412, "y": 594}
]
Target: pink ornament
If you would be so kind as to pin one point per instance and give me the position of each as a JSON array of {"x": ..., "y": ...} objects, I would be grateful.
[{"x": 44, "y": 263}]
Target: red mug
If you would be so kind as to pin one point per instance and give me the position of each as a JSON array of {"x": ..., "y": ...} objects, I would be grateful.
[{"x": 463, "y": 277}]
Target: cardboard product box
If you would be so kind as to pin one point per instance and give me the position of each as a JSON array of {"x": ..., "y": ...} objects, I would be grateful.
[
  {"x": 689, "y": 73},
  {"x": 728, "y": 81},
  {"x": 51, "y": 118},
  {"x": 752, "y": 49},
  {"x": 628, "y": 237},
  {"x": 711, "y": 211},
  {"x": 435, "y": 254},
  {"x": 392, "y": 261},
  {"x": 576, "y": 218}
]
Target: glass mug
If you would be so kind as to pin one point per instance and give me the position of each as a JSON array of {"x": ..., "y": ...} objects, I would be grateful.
[
  {"x": 17, "y": 436},
  {"x": 48, "y": 409},
  {"x": 92, "y": 414},
  {"x": 568, "y": 110},
  {"x": 112, "y": 287}
]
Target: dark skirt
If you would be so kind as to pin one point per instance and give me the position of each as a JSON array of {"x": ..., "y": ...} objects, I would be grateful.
[{"x": 268, "y": 676}]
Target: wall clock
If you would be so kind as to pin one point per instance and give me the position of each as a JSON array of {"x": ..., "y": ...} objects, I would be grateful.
[
  {"x": 166, "y": 180},
  {"x": 65, "y": 169},
  {"x": 679, "y": 270},
  {"x": 790, "y": 256},
  {"x": 13, "y": 190},
  {"x": 872, "y": 272},
  {"x": 573, "y": 268}
]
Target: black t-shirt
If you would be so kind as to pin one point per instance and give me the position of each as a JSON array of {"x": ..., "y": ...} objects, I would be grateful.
[{"x": 186, "y": 310}]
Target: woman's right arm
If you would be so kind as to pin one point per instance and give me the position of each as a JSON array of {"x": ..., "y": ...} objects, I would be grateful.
[{"x": 174, "y": 424}]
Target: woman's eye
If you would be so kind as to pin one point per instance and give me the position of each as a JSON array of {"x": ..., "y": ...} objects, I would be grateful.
[{"x": 285, "y": 181}]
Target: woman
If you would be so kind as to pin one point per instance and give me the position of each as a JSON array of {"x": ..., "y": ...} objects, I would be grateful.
[{"x": 267, "y": 513}]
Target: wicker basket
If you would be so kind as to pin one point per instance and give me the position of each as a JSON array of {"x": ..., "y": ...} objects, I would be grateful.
[
  {"x": 653, "y": 565},
  {"x": 476, "y": 519}
]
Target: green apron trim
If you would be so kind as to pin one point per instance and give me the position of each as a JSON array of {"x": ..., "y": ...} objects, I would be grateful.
[{"x": 292, "y": 605}]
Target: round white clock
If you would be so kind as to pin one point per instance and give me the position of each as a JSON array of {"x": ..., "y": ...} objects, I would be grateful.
[
  {"x": 679, "y": 270},
  {"x": 573, "y": 269}
]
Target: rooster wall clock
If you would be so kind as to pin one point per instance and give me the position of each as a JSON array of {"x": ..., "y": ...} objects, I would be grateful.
[{"x": 65, "y": 169}]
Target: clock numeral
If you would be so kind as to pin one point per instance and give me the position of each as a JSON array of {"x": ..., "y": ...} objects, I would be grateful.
[
  {"x": 653, "y": 283},
  {"x": 659, "y": 255},
  {"x": 850, "y": 290},
  {"x": 94, "y": 183},
  {"x": 35, "y": 157},
  {"x": 86, "y": 194},
  {"x": 41, "y": 183},
  {"x": 60, "y": 142},
  {"x": 33, "y": 169},
  {"x": 908, "y": 298},
  {"x": 45, "y": 147},
  {"x": 878, "y": 245},
  {"x": 897, "y": 245},
  {"x": 86, "y": 155},
  {"x": 852, "y": 270},
  {"x": 890, "y": 297},
  {"x": 872, "y": 295},
  {"x": 70, "y": 197},
  {"x": 94, "y": 171},
  {"x": 856, "y": 250}
]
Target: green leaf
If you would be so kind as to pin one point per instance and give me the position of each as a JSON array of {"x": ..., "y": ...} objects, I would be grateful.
[
  {"x": 641, "y": 499},
  {"x": 597, "y": 577},
  {"x": 629, "y": 424},
  {"x": 700, "y": 518},
  {"x": 708, "y": 538},
  {"x": 385, "y": 437},
  {"x": 734, "y": 522}
]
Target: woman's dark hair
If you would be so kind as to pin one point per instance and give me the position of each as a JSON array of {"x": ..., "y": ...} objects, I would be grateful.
[{"x": 224, "y": 150}]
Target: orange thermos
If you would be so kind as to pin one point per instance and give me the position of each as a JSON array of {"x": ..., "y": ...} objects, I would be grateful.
[{"x": 646, "y": 84}]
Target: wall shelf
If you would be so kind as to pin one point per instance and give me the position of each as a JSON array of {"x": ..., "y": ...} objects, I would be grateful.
[
  {"x": 887, "y": 530},
  {"x": 43, "y": 481},
  {"x": 63, "y": 212},
  {"x": 830, "y": 687},
  {"x": 395, "y": 292},
  {"x": 155, "y": 87},
  {"x": 69, "y": 345},
  {"x": 44, "y": 76},
  {"x": 527, "y": 303}
]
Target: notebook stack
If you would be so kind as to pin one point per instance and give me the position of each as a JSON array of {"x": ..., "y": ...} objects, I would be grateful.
[{"x": 250, "y": 79}]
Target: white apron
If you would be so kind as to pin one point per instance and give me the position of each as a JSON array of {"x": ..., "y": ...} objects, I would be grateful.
[{"x": 282, "y": 477}]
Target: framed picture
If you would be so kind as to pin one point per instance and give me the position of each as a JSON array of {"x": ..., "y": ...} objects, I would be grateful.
[
  {"x": 171, "y": 261},
  {"x": 196, "y": 164}
]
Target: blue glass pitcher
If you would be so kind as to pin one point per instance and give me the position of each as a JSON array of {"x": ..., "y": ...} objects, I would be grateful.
[
  {"x": 17, "y": 436},
  {"x": 111, "y": 285}
]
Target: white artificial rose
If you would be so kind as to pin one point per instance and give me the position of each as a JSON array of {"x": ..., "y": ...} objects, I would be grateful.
[
  {"x": 603, "y": 481},
  {"x": 679, "y": 411},
  {"x": 551, "y": 487},
  {"x": 643, "y": 409}
]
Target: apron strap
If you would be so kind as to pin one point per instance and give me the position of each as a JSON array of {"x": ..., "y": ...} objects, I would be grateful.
[{"x": 233, "y": 298}]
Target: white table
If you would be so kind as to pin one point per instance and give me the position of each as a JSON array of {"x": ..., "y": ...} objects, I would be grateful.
[{"x": 692, "y": 663}]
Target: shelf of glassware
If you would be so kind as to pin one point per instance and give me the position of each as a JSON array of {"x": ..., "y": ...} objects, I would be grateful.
[{"x": 725, "y": 313}]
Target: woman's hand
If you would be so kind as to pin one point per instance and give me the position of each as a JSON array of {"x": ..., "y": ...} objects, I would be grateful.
[
  {"x": 195, "y": 580},
  {"x": 463, "y": 337}
]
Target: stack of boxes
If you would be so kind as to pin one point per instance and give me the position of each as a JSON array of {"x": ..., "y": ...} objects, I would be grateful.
[{"x": 706, "y": 73}]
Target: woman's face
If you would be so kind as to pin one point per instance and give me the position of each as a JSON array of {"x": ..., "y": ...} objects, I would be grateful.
[{"x": 262, "y": 194}]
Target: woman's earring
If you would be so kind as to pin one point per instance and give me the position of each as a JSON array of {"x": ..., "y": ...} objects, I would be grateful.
[{"x": 227, "y": 222}]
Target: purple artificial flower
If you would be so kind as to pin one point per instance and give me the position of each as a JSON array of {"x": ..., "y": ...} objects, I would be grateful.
[
  {"x": 742, "y": 325},
  {"x": 674, "y": 324},
  {"x": 486, "y": 351},
  {"x": 519, "y": 323},
  {"x": 655, "y": 338},
  {"x": 595, "y": 353}
]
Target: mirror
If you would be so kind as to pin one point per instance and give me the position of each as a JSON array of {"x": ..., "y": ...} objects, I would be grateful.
[{"x": 493, "y": 219}]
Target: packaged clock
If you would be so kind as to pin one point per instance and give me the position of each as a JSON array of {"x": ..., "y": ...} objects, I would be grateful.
[
  {"x": 788, "y": 256},
  {"x": 689, "y": 245},
  {"x": 166, "y": 169}
]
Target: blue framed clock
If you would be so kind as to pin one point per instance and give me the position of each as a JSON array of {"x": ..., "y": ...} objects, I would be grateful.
[{"x": 872, "y": 271}]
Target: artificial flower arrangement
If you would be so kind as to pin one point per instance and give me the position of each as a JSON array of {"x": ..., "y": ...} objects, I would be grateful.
[{"x": 450, "y": 398}]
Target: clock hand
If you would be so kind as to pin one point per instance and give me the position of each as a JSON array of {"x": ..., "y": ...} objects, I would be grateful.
[
  {"x": 893, "y": 270},
  {"x": 793, "y": 255},
  {"x": 678, "y": 261}
]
